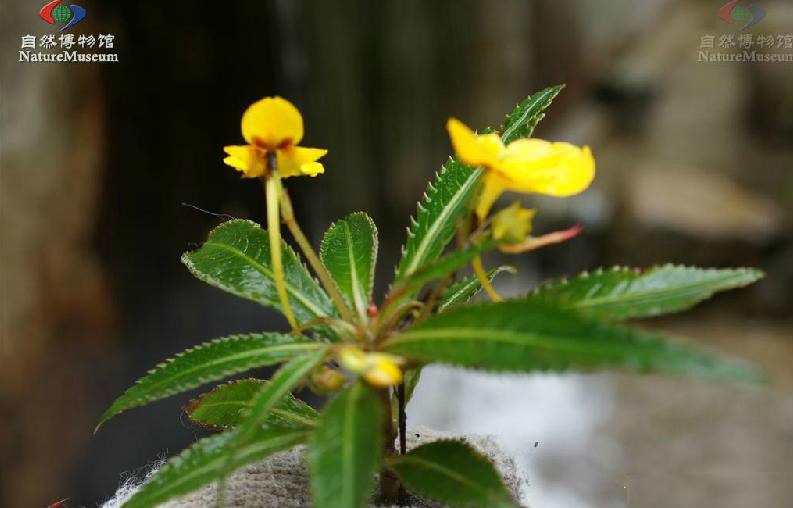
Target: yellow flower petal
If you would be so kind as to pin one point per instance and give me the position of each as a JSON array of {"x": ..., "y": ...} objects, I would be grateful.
[
  {"x": 312, "y": 168},
  {"x": 494, "y": 185},
  {"x": 471, "y": 148},
  {"x": 297, "y": 160},
  {"x": 378, "y": 369},
  {"x": 246, "y": 159},
  {"x": 554, "y": 169},
  {"x": 384, "y": 372},
  {"x": 272, "y": 122},
  {"x": 352, "y": 359},
  {"x": 236, "y": 163}
]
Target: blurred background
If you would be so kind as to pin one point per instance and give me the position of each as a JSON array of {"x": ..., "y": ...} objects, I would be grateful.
[{"x": 99, "y": 162}]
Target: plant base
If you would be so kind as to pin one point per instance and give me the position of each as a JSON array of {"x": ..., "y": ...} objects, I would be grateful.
[{"x": 282, "y": 481}]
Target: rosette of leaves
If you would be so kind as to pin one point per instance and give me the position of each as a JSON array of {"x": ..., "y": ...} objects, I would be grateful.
[{"x": 426, "y": 317}]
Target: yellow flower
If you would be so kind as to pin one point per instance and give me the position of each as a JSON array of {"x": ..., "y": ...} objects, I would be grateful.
[
  {"x": 525, "y": 165},
  {"x": 273, "y": 125},
  {"x": 378, "y": 369},
  {"x": 512, "y": 224}
]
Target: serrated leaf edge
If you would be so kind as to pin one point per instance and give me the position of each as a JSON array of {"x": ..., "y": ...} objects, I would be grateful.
[
  {"x": 472, "y": 281},
  {"x": 422, "y": 206},
  {"x": 146, "y": 399},
  {"x": 194, "y": 403},
  {"x": 753, "y": 273},
  {"x": 322, "y": 248},
  {"x": 542, "y": 100},
  {"x": 188, "y": 262}
]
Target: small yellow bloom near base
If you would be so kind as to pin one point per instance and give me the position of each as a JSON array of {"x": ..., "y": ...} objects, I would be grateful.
[
  {"x": 274, "y": 125},
  {"x": 526, "y": 165},
  {"x": 378, "y": 369}
]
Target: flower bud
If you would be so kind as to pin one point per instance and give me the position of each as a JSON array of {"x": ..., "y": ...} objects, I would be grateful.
[
  {"x": 512, "y": 224},
  {"x": 326, "y": 379},
  {"x": 378, "y": 369},
  {"x": 384, "y": 371}
]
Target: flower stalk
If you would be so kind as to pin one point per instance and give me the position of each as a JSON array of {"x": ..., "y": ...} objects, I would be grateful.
[
  {"x": 287, "y": 213},
  {"x": 272, "y": 185},
  {"x": 481, "y": 274}
]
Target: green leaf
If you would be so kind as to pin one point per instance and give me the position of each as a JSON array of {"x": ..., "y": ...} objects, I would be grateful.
[
  {"x": 285, "y": 379},
  {"x": 462, "y": 291},
  {"x": 445, "y": 265},
  {"x": 526, "y": 336},
  {"x": 349, "y": 252},
  {"x": 225, "y": 406},
  {"x": 452, "y": 473},
  {"x": 236, "y": 258},
  {"x": 207, "y": 362},
  {"x": 621, "y": 293},
  {"x": 206, "y": 461},
  {"x": 526, "y": 115},
  {"x": 412, "y": 377},
  {"x": 443, "y": 205},
  {"x": 344, "y": 452},
  {"x": 455, "y": 294}
]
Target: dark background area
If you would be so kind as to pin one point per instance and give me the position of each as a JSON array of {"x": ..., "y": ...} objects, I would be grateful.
[{"x": 99, "y": 160}]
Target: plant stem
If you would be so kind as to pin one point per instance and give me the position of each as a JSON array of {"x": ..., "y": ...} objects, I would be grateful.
[
  {"x": 289, "y": 218},
  {"x": 332, "y": 322},
  {"x": 402, "y": 419},
  {"x": 390, "y": 486},
  {"x": 432, "y": 298},
  {"x": 272, "y": 184},
  {"x": 386, "y": 321}
]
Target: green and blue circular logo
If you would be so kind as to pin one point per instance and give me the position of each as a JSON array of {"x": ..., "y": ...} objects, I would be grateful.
[
  {"x": 736, "y": 11},
  {"x": 57, "y": 13}
]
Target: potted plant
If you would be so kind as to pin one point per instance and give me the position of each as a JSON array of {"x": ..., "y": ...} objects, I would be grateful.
[{"x": 367, "y": 357}]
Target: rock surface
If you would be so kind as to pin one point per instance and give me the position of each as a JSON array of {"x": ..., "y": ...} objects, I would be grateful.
[{"x": 281, "y": 481}]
